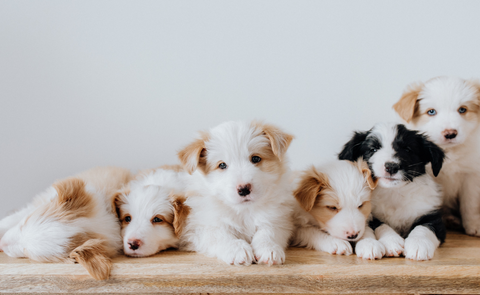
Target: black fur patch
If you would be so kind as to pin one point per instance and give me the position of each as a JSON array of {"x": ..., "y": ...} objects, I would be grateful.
[{"x": 433, "y": 221}]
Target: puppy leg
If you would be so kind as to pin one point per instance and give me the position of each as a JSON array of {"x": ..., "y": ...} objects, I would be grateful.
[
  {"x": 470, "y": 206},
  {"x": 421, "y": 243},
  {"x": 93, "y": 256},
  {"x": 368, "y": 247},
  {"x": 393, "y": 242},
  {"x": 269, "y": 244},
  {"x": 314, "y": 238}
]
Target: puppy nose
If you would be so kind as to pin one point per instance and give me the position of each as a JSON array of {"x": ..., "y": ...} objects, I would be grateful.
[
  {"x": 134, "y": 244},
  {"x": 244, "y": 190},
  {"x": 391, "y": 168},
  {"x": 352, "y": 235},
  {"x": 450, "y": 133}
]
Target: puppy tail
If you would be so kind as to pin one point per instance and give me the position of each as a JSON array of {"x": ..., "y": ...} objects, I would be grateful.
[{"x": 93, "y": 256}]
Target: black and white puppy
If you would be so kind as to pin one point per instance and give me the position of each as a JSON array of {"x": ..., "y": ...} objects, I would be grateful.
[{"x": 406, "y": 203}]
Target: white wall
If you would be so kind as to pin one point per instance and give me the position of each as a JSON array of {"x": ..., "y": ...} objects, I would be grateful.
[{"x": 87, "y": 83}]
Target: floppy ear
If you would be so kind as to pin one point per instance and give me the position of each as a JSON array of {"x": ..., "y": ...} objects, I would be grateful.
[
  {"x": 351, "y": 150},
  {"x": 279, "y": 140},
  {"x": 194, "y": 155},
  {"x": 118, "y": 199},
  {"x": 367, "y": 174},
  {"x": 311, "y": 183},
  {"x": 407, "y": 106},
  {"x": 434, "y": 154},
  {"x": 180, "y": 213}
]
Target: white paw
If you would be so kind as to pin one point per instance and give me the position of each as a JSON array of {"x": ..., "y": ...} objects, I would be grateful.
[
  {"x": 270, "y": 255},
  {"x": 369, "y": 249},
  {"x": 394, "y": 245},
  {"x": 419, "y": 248},
  {"x": 239, "y": 253},
  {"x": 333, "y": 245},
  {"x": 472, "y": 229}
]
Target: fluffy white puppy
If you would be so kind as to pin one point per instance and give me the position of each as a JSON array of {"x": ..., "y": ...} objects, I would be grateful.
[
  {"x": 447, "y": 110},
  {"x": 241, "y": 212},
  {"x": 71, "y": 221},
  {"x": 151, "y": 211},
  {"x": 335, "y": 207}
]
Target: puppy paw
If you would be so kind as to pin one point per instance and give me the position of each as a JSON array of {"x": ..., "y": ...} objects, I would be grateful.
[
  {"x": 472, "y": 229},
  {"x": 239, "y": 253},
  {"x": 337, "y": 246},
  {"x": 270, "y": 255},
  {"x": 370, "y": 249},
  {"x": 418, "y": 248},
  {"x": 394, "y": 245}
]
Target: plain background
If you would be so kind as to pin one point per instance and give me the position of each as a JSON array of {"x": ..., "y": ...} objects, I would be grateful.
[{"x": 89, "y": 83}]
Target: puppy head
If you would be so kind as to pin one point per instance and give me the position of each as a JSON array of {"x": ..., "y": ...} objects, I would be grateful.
[
  {"x": 394, "y": 154},
  {"x": 446, "y": 109},
  {"x": 240, "y": 161},
  {"x": 338, "y": 197},
  {"x": 151, "y": 217}
]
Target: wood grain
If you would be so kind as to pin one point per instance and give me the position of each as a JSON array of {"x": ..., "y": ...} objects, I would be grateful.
[{"x": 455, "y": 269}]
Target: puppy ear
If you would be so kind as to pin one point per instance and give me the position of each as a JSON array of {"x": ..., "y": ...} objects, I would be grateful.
[
  {"x": 367, "y": 174},
  {"x": 279, "y": 140},
  {"x": 311, "y": 183},
  {"x": 118, "y": 199},
  {"x": 180, "y": 213},
  {"x": 194, "y": 155},
  {"x": 407, "y": 106},
  {"x": 433, "y": 154},
  {"x": 351, "y": 150},
  {"x": 93, "y": 255},
  {"x": 476, "y": 85}
]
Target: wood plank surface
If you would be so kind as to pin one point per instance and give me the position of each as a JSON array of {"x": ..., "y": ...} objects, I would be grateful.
[{"x": 455, "y": 269}]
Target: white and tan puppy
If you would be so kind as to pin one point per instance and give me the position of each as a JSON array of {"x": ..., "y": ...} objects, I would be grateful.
[
  {"x": 447, "y": 110},
  {"x": 152, "y": 212},
  {"x": 73, "y": 220},
  {"x": 335, "y": 202},
  {"x": 241, "y": 212}
]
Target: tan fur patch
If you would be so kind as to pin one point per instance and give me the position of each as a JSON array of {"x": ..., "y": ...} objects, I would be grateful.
[
  {"x": 407, "y": 107},
  {"x": 72, "y": 201},
  {"x": 94, "y": 255},
  {"x": 175, "y": 168},
  {"x": 180, "y": 213},
  {"x": 367, "y": 174},
  {"x": 118, "y": 199},
  {"x": 311, "y": 184},
  {"x": 366, "y": 209},
  {"x": 472, "y": 112},
  {"x": 322, "y": 210},
  {"x": 279, "y": 140},
  {"x": 194, "y": 155}
]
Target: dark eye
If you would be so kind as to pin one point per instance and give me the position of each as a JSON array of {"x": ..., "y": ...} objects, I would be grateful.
[
  {"x": 432, "y": 112},
  {"x": 373, "y": 150},
  {"x": 333, "y": 208},
  {"x": 462, "y": 110},
  {"x": 156, "y": 220},
  {"x": 256, "y": 159},
  {"x": 222, "y": 166},
  {"x": 128, "y": 219},
  {"x": 360, "y": 206}
]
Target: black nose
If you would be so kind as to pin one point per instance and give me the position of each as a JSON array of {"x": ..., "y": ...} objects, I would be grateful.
[
  {"x": 244, "y": 190},
  {"x": 353, "y": 236},
  {"x": 391, "y": 168},
  {"x": 450, "y": 135},
  {"x": 134, "y": 245}
]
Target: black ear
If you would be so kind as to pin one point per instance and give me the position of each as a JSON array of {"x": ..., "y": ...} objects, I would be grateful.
[
  {"x": 351, "y": 150},
  {"x": 434, "y": 154}
]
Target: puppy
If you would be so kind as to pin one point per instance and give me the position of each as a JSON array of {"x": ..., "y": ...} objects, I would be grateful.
[
  {"x": 448, "y": 111},
  {"x": 335, "y": 208},
  {"x": 407, "y": 201},
  {"x": 151, "y": 211},
  {"x": 73, "y": 220},
  {"x": 241, "y": 212}
]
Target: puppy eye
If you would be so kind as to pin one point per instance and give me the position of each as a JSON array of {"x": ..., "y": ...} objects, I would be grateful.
[
  {"x": 128, "y": 219},
  {"x": 373, "y": 150},
  {"x": 361, "y": 205},
  {"x": 462, "y": 110},
  {"x": 333, "y": 208},
  {"x": 222, "y": 166},
  {"x": 156, "y": 220},
  {"x": 431, "y": 112},
  {"x": 256, "y": 159}
]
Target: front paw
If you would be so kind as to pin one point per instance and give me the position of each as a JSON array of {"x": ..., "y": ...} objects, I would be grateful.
[
  {"x": 418, "y": 248},
  {"x": 337, "y": 246},
  {"x": 472, "y": 229},
  {"x": 394, "y": 245},
  {"x": 270, "y": 255},
  {"x": 369, "y": 249},
  {"x": 239, "y": 253}
]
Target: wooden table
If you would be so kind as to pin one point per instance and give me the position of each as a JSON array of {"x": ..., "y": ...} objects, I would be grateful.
[{"x": 455, "y": 269}]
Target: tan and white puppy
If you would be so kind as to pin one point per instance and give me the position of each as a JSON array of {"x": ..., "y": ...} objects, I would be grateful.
[
  {"x": 447, "y": 110},
  {"x": 241, "y": 209},
  {"x": 335, "y": 201},
  {"x": 73, "y": 220},
  {"x": 152, "y": 211}
]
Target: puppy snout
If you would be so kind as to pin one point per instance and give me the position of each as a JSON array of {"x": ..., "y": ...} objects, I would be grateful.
[
  {"x": 391, "y": 168},
  {"x": 352, "y": 235},
  {"x": 134, "y": 244},
  {"x": 244, "y": 189},
  {"x": 450, "y": 133}
]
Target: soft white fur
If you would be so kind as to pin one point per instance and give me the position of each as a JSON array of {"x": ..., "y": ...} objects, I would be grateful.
[
  {"x": 350, "y": 186},
  {"x": 239, "y": 230},
  {"x": 149, "y": 196},
  {"x": 460, "y": 174}
]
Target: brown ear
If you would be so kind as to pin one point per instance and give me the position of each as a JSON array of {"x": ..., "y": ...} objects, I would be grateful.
[
  {"x": 311, "y": 183},
  {"x": 194, "y": 155},
  {"x": 118, "y": 199},
  {"x": 279, "y": 140},
  {"x": 367, "y": 174},
  {"x": 407, "y": 106},
  {"x": 180, "y": 213},
  {"x": 73, "y": 200},
  {"x": 93, "y": 255},
  {"x": 476, "y": 85}
]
